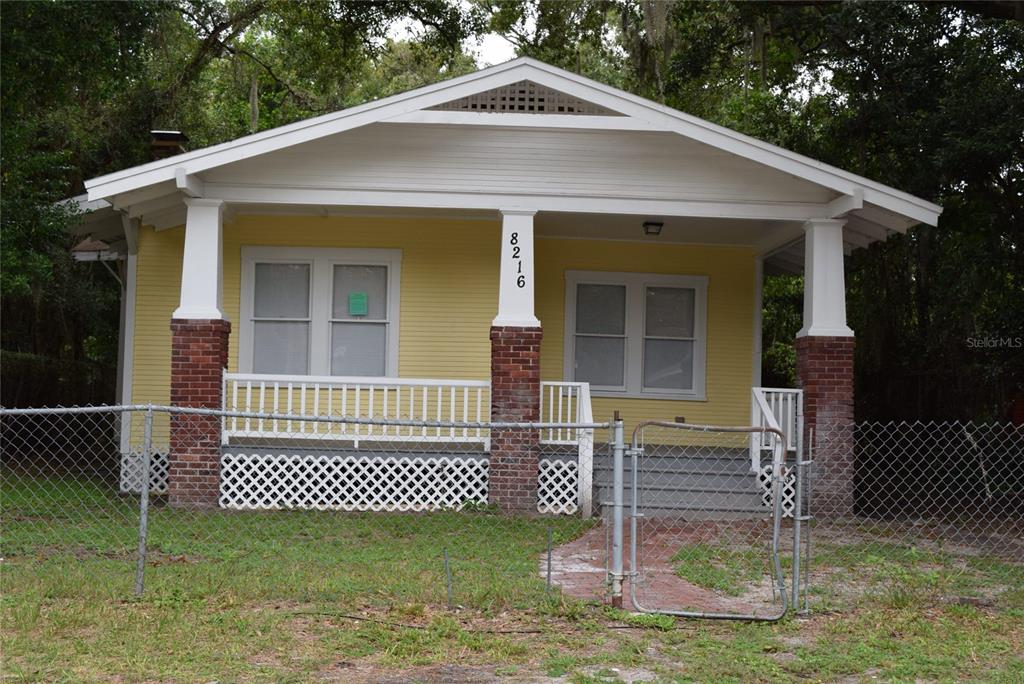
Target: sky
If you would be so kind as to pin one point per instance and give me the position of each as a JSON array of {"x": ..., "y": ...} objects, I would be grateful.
[
  {"x": 488, "y": 49},
  {"x": 492, "y": 49}
]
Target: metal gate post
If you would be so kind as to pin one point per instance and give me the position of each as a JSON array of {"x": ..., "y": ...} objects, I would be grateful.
[
  {"x": 618, "y": 458},
  {"x": 147, "y": 448},
  {"x": 798, "y": 503}
]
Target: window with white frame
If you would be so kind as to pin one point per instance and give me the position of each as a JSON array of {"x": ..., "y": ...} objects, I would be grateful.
[
  {"x": 636, "y": 334},
  {"x": 319, "y": 311}
]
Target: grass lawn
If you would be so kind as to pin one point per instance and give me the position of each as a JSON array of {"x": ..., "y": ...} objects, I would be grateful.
[{"x": 271, "y": 597}]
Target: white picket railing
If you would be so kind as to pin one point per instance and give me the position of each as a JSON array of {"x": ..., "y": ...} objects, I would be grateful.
[
  {"x": 459, "y": 401},
  {"x": 569, "y": 402},
  {"x": 774, "y": 408},
  {"x": 358, "y": 397}
]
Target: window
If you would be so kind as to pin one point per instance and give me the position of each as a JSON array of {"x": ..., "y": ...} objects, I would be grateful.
[
  {"x": 319, "y": 311},
  {"x": 635, "y": 334}
]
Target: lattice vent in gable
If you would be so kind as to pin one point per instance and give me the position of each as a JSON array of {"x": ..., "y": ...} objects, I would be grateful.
[{"x": 525, "y": 97}]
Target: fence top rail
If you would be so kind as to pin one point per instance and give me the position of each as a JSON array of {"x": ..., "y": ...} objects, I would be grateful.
[
  {"x": 706, "y": 428},
  {"x": 349, "y": 420},
  {"x": 358, "y": 380}
]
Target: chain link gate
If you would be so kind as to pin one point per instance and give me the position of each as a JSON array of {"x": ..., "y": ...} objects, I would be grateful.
[{"x": 705, "y": 531}]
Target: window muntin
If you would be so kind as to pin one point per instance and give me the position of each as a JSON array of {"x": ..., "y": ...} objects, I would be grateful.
[{"x": 636, "y": 335}]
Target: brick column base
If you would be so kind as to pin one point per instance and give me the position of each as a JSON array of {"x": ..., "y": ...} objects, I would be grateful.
[
  {"x": 824, "y": 368},
  {"x": 199, "y": 355},
  {"x": 515, "y": 397}
]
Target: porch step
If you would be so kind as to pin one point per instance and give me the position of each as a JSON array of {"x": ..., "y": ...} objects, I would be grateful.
[{"x": 689, "y": 487}]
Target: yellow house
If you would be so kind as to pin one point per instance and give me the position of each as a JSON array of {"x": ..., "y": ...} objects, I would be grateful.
[{"x": 517, "y": 244}]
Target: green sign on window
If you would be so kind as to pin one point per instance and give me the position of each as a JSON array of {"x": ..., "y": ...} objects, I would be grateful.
[{"x": 357, "y": 304}]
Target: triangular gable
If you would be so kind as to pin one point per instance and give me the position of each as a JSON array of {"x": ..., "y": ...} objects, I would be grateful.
[
  {"x": 525, "y": 97},
  {"x": 449, "y": 96}
]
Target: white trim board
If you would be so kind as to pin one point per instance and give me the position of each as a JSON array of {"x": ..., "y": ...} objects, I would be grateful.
[
  {"x": 640, "y": 111},
  {"x": 322, "y": 261}
]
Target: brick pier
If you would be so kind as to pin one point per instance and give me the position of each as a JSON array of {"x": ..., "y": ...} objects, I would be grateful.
[
  {"x": 199, "y": 355},
  {"x": 825, "y": 372},
  {"x": 515, "y": 397}
]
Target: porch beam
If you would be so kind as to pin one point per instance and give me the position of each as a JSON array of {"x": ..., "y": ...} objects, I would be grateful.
[
  {"x": 844, "y": 204},
  {"x": 824, "y": 280},
  {"x": 516, "y": 284},
  {"x": 328, "y": 197},
  {"x": 188, "y": 184},
  {"x": 201, "y": 278},
  {"x": 515, "y": 120}
]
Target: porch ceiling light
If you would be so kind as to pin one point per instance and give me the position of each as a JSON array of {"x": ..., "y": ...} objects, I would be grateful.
[{"x": 653, "y": 227}]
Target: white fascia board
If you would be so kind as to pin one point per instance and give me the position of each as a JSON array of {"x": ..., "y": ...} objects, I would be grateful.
[
  {"x": 326, "y": 197},
  {"x": 303, "y": 131}
]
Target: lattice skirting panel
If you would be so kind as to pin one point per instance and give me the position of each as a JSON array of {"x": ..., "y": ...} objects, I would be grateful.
[
  {"x": 557, "y": 487},
  {"x": 351, "y": 482},
  {"x": 131, "y": 471},
  {"x": 764, "y": 479}
]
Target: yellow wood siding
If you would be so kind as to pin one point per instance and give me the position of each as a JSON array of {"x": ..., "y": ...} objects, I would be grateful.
[
  {"x": 449, "y": 282},
  {"x": 730, "y": 342}
]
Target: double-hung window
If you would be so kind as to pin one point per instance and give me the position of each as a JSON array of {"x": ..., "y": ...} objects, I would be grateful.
[
  {"x": 319, "y": 311},
  {"x": 635, "y": 334}
]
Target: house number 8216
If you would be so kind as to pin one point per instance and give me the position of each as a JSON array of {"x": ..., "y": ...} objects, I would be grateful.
[{"x": 520, "y": 278}]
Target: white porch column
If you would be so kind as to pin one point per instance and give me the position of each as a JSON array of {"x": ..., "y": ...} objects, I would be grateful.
[
  {"x": 516, "y": 286},
  {"x": 202, "y": 283},
  {"x": 824, "y": 280}
]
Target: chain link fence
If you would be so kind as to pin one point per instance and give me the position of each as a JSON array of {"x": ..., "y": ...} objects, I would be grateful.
[
  {"x": 916, "y": 512},
  {"x": 403, "y": 512},
  {"x": 388, "y": 512}
]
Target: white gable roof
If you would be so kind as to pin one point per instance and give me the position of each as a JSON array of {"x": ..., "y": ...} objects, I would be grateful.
[{"x": 633, "y": 111}]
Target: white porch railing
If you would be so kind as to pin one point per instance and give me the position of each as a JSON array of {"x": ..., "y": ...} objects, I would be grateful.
[
  {"x": 450, "y": 401},
  {"x": 459, "y": 401},
  {"x": 774, "y": 408},
  {"x": 569, "y": 402}
]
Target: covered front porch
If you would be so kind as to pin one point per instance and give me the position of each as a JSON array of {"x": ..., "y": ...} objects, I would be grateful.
[{"x": 440, "y": 353}]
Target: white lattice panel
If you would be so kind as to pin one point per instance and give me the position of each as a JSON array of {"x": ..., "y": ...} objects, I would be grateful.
[
  {"x": 764, "y": 479},
  {"x": 525, "y": 97},
  {"x": 131, "y": 471},
  {"x": 351, "y": 483},
  {"x": 557, "y": 487}
]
